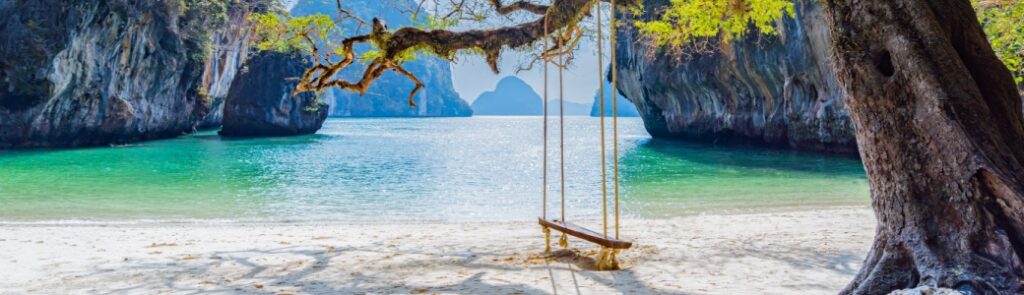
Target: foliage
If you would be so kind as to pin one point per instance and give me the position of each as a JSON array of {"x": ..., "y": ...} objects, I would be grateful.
[
  {"x": 688, "y": 23},
  {"x": 197, "y": 17},
  {"x": 316, "y": 103},
  {"x": 1002, "y": 23},
  {"x": 283, "y": 33},
  {"x": 432, "y": 22},
  {"x": 407, "y": 55},
  {"x": 685, "y": 22}
]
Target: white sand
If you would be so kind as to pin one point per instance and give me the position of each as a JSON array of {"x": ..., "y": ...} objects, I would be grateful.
[{"x": 800, "y": 252}]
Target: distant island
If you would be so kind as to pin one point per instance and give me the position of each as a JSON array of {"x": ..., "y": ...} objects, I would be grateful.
[
  {"x": 571, "y": 108},
  {"x": 626, "y": 108},
  {"x": 513, "y": 97}
]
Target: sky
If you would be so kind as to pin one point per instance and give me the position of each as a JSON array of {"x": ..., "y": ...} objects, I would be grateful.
[{"x": 472, "y": 76}]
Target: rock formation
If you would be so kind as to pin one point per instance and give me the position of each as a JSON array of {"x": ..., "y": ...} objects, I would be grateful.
[
  {"x": 231, "y": 46},
  {"x": 512, "y": 97},
  {"x": 777, "y": 91},
  {"x": 260, "y": 101},
  {"x": 625, "y": 107},
  {"x": 97, "y": 72}
]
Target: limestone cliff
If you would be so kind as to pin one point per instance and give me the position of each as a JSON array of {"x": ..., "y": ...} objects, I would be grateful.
[
  {"x": 229, "y": 50},
  {"x": 97, "y": 72},
  {"x": 260, "y": 101},
  {"x": 777, "y": 91}
]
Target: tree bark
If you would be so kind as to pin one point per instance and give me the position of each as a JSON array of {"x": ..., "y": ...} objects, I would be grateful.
[{"x": 940, "y": 130}]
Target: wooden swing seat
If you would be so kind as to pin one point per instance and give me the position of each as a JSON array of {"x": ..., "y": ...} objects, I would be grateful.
[{"x": 583, "y": 233}]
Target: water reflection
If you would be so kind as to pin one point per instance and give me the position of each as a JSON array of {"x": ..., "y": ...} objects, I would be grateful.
[{"x": 667, "y": 178}]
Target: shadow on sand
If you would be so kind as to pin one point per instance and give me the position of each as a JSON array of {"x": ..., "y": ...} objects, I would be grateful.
[{"x": 321, "y": 269}]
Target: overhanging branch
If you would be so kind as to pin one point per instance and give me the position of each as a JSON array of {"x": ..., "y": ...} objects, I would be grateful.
[{"x": 559, "y": 19}]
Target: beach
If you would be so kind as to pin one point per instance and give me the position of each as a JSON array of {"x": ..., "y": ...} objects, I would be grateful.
[{"x": 776, "y": 252}]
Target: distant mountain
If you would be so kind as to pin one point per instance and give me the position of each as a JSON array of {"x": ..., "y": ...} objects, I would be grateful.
[
  {"x": 512, "y": 97},
  {"x": 626, "y": 108},
  {"x": 388, "y": 95},
  {"x": 571, "y": 108}
]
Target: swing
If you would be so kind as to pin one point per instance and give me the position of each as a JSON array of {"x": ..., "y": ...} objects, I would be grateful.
[{"x": 610, "y": 245}]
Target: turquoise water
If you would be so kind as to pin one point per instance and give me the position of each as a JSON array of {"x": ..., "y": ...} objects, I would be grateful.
[{"x": 438, "y": 169}]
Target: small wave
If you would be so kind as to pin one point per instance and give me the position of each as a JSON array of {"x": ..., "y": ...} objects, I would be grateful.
[{"x": 123, "y": 222}]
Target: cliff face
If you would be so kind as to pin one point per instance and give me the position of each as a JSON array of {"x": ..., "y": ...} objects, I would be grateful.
[
  {"x": 260, "y": 101},
  {"x": 97, "y": 72},
  {"x": 388, "y": 95},
  {"x": 229, "y": 50},
  {"x": 778, "y": 91}
]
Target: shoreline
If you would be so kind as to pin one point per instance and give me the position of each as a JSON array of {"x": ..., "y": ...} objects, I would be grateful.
[
  {"x": 201, "y": 222},
  {"x": 793, "y": 252}
]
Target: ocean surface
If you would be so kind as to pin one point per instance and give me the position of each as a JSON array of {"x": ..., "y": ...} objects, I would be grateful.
[{"x": 434, "y": 169}]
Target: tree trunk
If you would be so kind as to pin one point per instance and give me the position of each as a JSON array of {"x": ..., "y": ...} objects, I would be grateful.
[{"x": 939, "y": 125}]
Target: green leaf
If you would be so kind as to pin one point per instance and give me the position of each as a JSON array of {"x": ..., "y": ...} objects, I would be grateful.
[
  {"x": 1001, "y": 22},
  {"x": 687, "y": 21}
]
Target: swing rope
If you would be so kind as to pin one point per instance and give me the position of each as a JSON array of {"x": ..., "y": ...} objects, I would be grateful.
[
  {"x": 547, "y": 231},
  {"x": 606, "y": 258},
  {"x": 615, "y": 120},
  {"x": 564, "y": 241},
  {"x": 600, "y": 89}
]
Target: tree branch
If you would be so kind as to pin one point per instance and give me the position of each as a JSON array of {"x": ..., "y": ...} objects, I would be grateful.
[
  {"x": 519, "y": 5},
  {"x": 562, "y": 14},
  {"x": 559, "y": 19}
]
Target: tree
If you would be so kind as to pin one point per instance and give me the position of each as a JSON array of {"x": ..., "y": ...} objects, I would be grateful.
[
  {"x": 939, "y": 126},
  {"x": 938, "y": 119},
  {"x": 940, "y": 130}
]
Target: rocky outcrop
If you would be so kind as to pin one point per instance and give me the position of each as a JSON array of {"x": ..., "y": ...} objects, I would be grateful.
[
  {"x": 260, "y": 101},
  {"x": 512, "y": 97},
  {"x": 926, "y": 291},
  {"x": 97, "y": 72},
  {"x": 388, "y": 96},
  {"x": 777, "y": 91},
  {"x": 230, "y": 48},
  {"x": 624, "y": 106}
]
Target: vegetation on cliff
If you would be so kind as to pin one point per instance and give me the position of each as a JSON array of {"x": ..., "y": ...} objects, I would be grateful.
[{"x": 693, "y": 25}]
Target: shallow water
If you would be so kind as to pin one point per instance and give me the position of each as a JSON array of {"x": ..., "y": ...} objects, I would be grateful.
[{"x": 438, "y": 169}]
